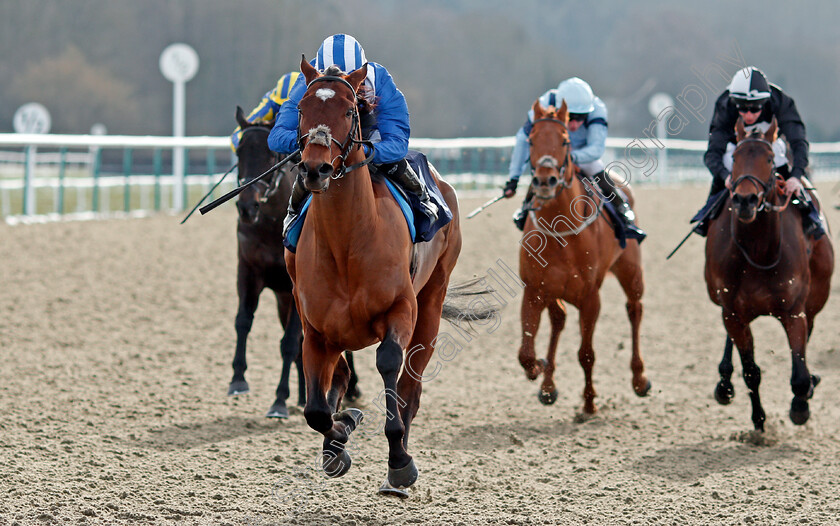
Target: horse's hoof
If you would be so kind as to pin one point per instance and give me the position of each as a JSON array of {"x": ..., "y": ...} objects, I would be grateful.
[
  {"x": 402, "y": 478},
  {"x": 388, "y": 489},
  {"x": 644, "y": 391},
  {"x": 351, "y": 417},
  {"x": 724, "y": 394},
  {"x": 278, "y": 410},
  {"x": 238, "y": 388},
  {"x": 336, "y": 464},
  {"x": 547, "y": 398},
  {"x": 352, "y": 394},
  {"x": 799, "y": 411}
]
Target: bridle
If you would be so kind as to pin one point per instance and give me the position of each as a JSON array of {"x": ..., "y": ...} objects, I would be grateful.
[
  {"x": 349, "y": 143},
  {"x": 269, "y": 182},
  {"x": 548, "y": 161},
  {"x": 763, "y": 205}
]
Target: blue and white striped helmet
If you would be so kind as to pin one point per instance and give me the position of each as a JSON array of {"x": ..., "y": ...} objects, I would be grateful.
[{"x": 341, "y": 50}]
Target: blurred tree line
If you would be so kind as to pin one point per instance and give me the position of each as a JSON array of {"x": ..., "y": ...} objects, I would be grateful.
[{"x": 467, "y": 67}]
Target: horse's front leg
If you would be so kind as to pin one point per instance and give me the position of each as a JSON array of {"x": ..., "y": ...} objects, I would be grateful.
[
  {"x": 319, "y": 365},
  {"x": 248, "y": 286},
  {"x": 557, "y": 317},
  {"x": 532, "y": 307},
  {"x": 589, "y": 310},
  {"x": 402, "y": 472},
  {"x": 802, "y": 382},
  {"x": 739, "y": 331},
  {"x": 725, "y": 391}
]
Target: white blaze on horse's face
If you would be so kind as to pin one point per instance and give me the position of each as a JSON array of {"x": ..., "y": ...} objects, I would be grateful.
[
  {"x": 324, "y": 94},
  {"x": 320, "y": 134}
]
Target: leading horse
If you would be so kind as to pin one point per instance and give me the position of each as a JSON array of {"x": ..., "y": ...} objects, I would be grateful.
[
  {"x": 355, "y": 284},
  {"x": 261, "y": 263},
  {"x": 759, "y": 262},
  {"x": 575, "y": 249}
]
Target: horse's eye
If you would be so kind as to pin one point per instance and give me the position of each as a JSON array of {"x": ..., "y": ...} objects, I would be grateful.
[{"x": 349, "y": 113}]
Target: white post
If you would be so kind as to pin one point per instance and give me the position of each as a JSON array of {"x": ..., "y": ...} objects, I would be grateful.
[
  {"x": 178, "y": 63},
  {"x": 178, "y": 118},
  {"x": 30, "y": 118},
  {"x": 658, "y": 105}
]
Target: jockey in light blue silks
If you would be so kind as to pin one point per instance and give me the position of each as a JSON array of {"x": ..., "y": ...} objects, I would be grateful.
[
  {"x": 588, "y": 135},
  {"x": 266, "y": 111},
  {"x": 386, "y": 125}
]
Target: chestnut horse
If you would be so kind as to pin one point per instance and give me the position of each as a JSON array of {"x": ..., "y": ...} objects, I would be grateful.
[
  {"x": 577, "y": 247},
  {"x": 261, "y": 263},
  {"x": 353, "y": 276},
  {"x": 759, "y": 262}
]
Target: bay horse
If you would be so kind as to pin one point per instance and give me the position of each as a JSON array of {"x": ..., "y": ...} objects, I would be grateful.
[
  {"x": 261, "y": 263},
  {"x": 353, "y": 278},
  {"x": 759, "y": 262},
  {"x": 577, "y": 248}
]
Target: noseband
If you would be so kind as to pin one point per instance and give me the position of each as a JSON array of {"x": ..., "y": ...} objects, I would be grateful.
[{"x": 321, "y": 136}]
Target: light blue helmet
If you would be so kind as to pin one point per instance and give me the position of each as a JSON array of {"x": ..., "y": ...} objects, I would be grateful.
[
  {"x": 341, "y": 50},
  {"x": 577, "y": 94}
]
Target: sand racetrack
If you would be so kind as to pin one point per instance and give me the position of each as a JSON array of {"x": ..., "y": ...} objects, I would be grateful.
[{"x": 116, "y": 339}]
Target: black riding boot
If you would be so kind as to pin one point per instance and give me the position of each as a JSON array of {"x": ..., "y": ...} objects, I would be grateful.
[
  {"x": 706, "y": 214},
  {"x": 521, "y": 213},
  {"x": 402, "y": 174},
  {"x": 811, "y": 220},
  {"x": 299, "y": 195},
  {"x": 617, "y": 198}
]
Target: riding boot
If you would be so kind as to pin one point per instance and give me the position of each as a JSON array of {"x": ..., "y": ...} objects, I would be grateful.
[
  {"x": 299, "y": 195},
  {"x": 521, "y": 213},
  {"x": 811, "y": 220},
  {"x": 402, "y": 174},
  {"x": 617, "y": 198},
  {"x": 706, "y": 214}
]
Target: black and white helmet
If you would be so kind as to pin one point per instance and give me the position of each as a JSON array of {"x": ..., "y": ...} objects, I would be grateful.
[{"x": 748, "y": 85}]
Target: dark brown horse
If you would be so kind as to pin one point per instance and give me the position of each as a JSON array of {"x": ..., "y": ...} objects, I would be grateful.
[
  {"x": 759, "y": 262},
  {"x": 259, "y": 233},
  {"x": 353, "y": 278},
  {"x": 568, "y": 247}
]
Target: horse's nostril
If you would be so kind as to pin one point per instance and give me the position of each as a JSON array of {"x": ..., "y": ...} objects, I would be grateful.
[
  {"x": 552, "y": 181},
  {"x": 325, "y": 169}
]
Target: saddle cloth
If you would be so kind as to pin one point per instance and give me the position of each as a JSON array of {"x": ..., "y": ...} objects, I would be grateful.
[{"x": 417, "y": 222}]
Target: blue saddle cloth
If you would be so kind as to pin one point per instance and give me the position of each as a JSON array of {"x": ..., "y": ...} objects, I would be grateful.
[{"x": 418, "y": 223}]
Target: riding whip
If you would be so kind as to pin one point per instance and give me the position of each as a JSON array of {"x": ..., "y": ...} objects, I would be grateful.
[
  {"x": 485, "y": 205},
  {"x": 207, "y": 194},
  {"x": 236, "y": 191},
  {"x": 707, "y": 214}
]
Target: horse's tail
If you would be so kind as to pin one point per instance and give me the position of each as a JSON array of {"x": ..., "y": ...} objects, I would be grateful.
[{"x": 470, "y": 301}]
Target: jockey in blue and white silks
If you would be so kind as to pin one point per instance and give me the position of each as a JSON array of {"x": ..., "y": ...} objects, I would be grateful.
[
  {"x": 388, "y": 129},
  {"x": 587, "y": 128},
  {"x": 266, "y": 111}
]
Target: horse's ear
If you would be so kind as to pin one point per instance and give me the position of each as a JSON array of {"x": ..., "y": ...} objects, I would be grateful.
[
  {"x": 561, "y": 112},
  {"x": 357, "y": 77},
  {"x": 308, "y": 70},
  {"x": 770, "y": 134},
  {"x": 740, "y": 132},
  {"x": 240, "y": 117},
  {"x": 537, "y": 108}
]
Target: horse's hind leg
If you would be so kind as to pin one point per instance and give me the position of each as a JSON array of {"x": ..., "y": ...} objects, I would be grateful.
[
  {"x": 289, "y": 351},
  {"x": 740, "y": 333},
  {"x": 802, "y": 383},
  {"x": 725, "y": 391},
  {"x": 628, "y": 270},
  {"x": 557, "y": 317},
  {"x": 248, "y": 286},
  {"x": 319, "y": 363},
  {"x": 532, "y": 307}
]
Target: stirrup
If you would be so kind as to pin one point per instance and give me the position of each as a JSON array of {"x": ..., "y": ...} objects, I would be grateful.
[
  {"x": 430, "y": 208},
  {"x": 519, "y": 218},
  {"x": 287, "y": 222}
]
